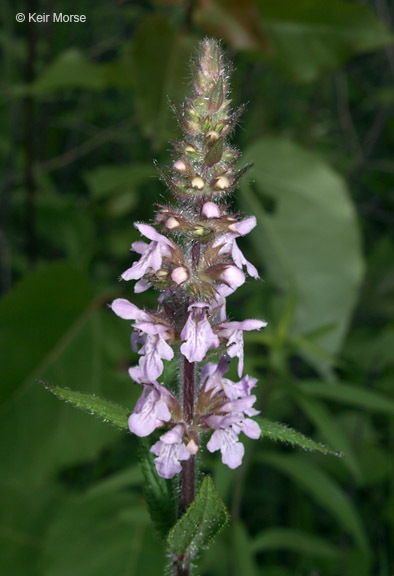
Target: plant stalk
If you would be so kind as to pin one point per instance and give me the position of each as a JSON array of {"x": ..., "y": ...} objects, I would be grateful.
[{"x": 182, "y": 565}]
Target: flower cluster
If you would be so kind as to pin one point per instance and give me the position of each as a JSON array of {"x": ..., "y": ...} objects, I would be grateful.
[{"x": 193, "y": 259}]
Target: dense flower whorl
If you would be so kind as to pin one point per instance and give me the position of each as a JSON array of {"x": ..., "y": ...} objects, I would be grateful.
[{"x": 192, "y": 257}]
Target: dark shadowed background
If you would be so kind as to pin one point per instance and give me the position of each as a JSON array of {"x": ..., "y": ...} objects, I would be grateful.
[{"x": 84, "y": 111}]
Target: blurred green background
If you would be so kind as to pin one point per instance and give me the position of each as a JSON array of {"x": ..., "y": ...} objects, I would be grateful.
[{"x": 84, "y": 110}]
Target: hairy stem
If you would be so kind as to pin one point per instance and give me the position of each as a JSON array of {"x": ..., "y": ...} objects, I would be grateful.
[{"x": 182, "y": 565}]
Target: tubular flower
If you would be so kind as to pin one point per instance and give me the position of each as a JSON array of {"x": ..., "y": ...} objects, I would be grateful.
[{"x": 192, "y": 258}]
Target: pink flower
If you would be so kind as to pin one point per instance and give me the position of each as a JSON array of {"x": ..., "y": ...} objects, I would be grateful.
[
  {"x": 233, "y": 332},
  {"x": 150, "y": 412},
  {"x": 151, "y": 254},
  {"x": 197, "y": 334},
  {"x": 152, "y": 334},
  {"x": 170, "y": 451},
  {"x": 230, "y": 246}
]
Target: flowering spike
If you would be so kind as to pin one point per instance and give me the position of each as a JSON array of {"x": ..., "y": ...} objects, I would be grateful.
[{"x": 191, "y": 256}]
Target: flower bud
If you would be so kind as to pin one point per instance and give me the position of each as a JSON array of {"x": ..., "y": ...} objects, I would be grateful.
[
  {"x": 233, "y": 277},
  {"x": 179, "y": 275},
  {"x": 198, "y": 183},
  {"x": 211, "y": 210},
  {"x": 192, "y": 447},
  {"x": 162, "y": 274},
  {"x": 222, "y": 183},
  {"x": 172, "y": 223},
  {"x": 180, "y": 166}
]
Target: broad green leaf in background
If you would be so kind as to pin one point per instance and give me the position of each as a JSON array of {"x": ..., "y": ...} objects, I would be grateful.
[
  {"x": 96, "y": 536},
  {"x": 71, "y": 69},
  {"x": 51, "y": 330},
  {"x": 160, "y": 495},
  {"x": 310, "y": 243},
  {"x": 280, "y": 433},
  {"x": 324, "y": 490},
  {"x": 160, "y": 66},
  {"x": 349, "y": 395},
  {"x": 295, "y": 540},
  {"x": 104, "y": 410},
  {"x": 309, "y": 37},
  {"x": 202, "y": 521},
  {"x": 47, "y": 434},
  {"x": 34, "y": 318}
]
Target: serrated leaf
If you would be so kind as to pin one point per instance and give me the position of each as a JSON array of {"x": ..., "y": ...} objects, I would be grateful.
[
  {"x": 200, "y": 524},
  {"x": 159, "y": 493},
  {"x": 322, "y": 488},
  {"x": 107, "y": 411},
  {"x": 280, "y": 433},
  {"x": 349, "y": 395}
]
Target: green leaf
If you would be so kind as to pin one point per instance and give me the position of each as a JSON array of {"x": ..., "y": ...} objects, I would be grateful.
[
  {"x": 200, "y": 524},
  {"x": 310, "y": 243},
  {"x": 159, "y": 493},
  {"x": 71, "y": 69},
  {"x": 96, "y": 536},
  {"x": 318, "y": 485},
  {"x": 34, "y": 317},
  {"x": 295, "y": 541},
  {"x": 280, "y": 433},
  {"x": 349, "y": 395},
  {"x": 309, "y": 37},
  {"x": 331, "y": 430},
  {"x": 81, "y": 357},
  {"x": 104, "y": 409}
]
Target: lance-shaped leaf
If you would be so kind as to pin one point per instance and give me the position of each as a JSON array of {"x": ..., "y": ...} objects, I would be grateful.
[
  {"x": 159, "y": 493},
  {"x": 104, "y": 409},
  {"x": 280, "y": 433},
  {"x": 200, "y": 524}
]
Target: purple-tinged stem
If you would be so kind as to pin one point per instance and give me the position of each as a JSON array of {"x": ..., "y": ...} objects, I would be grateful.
[
  {"x": 188, "y": 414},
  {"x": 182, "y": 565}
]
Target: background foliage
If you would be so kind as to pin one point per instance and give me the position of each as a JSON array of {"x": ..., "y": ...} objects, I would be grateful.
[{"x": 84, "y": 110}]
